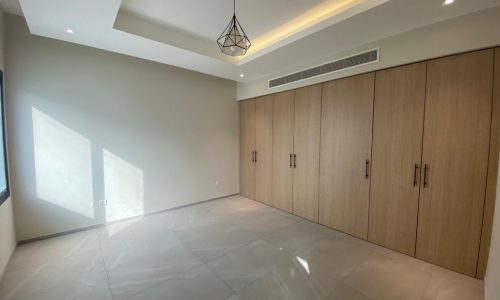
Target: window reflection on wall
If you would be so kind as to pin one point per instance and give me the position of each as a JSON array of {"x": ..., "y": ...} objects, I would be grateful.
[
  {"x": 123, "y": 188},
  {"x": 63, "y": 166}
]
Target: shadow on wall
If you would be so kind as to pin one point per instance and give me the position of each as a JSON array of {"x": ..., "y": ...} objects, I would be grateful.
[{"x": 63, "y": 173}]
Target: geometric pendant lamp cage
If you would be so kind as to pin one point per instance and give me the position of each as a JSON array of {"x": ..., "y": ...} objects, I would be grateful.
[{"x": 233, "y": 40}]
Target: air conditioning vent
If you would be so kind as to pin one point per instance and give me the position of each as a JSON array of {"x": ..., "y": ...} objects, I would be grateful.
[{"x": 331, "y": 67}]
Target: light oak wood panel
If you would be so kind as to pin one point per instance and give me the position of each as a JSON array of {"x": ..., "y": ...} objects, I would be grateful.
[
  {"x": 396, "y": 156},
  {"x": 455, "y": 149},
  {"x": 247, "y": 146},
  {"x": 491, "y": 181},
  {"x": 346, "y": 134},
  {"x": 263, "y": 149},
  {"x": 306, "y": 146},
  {"x": 283, "y": 119}
]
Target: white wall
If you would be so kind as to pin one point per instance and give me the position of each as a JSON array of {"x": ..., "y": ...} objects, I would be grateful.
[
  {"x": 473, "y": 31},
  {"x": 88, "y": 125},
  {"x": 7, "y": 235}
]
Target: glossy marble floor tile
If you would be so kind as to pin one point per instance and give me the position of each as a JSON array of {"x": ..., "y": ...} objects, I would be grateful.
[
  {"x": 76, "y": 277},
  {"x": 327, "y": 263},
  {"x": 243, "y": 266},
  {"x": 143, "y": 267},
  {"x": 219, "y": 241},
  {"x": 288, "y": 281},
  {"x": 203, "y": 228},
  {"x": 229, "y": 249},
  {"x": 299, "y": 236},
  {"x": 381, "y": 277},
  {"x": 268, "y": 223},
  {"x": 446, "y": 287},
  {"x": 183, "y": 217},
  {"x": 199, "y": 283},
  {"x": 40, "y": 252},
  {"x": 344, "y": 292},
  {"x": 311, "y": 274}
]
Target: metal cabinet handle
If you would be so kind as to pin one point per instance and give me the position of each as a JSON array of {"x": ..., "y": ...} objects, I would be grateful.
[
  {"x": 367, "y": 169},
  {"x": 290, "y": 160},
  {"x": 295, "y": 160},
  {"x": 426, "y": 168},
  {"x": 255, "y": 156},
  {"x": 415, "y": 181}
]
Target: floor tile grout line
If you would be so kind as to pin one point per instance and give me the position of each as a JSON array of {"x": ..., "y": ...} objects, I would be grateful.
[
  {"x": 350, "y": 273},
  {"x": 258, "y": 237},
  {"x": 202, "y": 264},
  {"x": 223, "y": 281},
  {"x": 270, "y": 271},
  {"x": 162, "y": 282},
  {"x": 104, "y": 265},
  {"x": 174, "y": 275},
  {"x": 215, "y": 258}
]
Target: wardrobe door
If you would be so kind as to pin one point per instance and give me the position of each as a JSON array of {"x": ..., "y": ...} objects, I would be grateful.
[
  {"x": 346, "y": 135},
  {"x": 263, "y": 149},
  {"x": 398, "y": 121},
  {"x": 455, "y": 158},
  {"x": 283, "y": 115},
  {"x": 247, "y": 148},
  {"x": 306, "y": 151},
  {"x": 491, "y": 181}
]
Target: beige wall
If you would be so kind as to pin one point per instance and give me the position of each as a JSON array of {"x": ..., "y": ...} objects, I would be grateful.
[
  {"x": 492, "y": 279},
  {"x": 90, "y": 126},
  {"x": 7, "y": 235},
  {"x": 474, "y": 31}
]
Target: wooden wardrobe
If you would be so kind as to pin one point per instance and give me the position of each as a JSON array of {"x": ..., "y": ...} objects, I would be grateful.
[
  {"x": 263, "y": 157},
  {"x": 404, "y": 157},
  {"x": 455, "y": 159},
  {"x": 398, "y": 125},
  {"x": 346, "y": 137},
  {"x": 296, "y": 133},
  {"x": 247, "y": 148}
]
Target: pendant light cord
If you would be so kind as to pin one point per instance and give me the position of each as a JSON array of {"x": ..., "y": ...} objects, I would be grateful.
[{"x": 234, "y": 7}]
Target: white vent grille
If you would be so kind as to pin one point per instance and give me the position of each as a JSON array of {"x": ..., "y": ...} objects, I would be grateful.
[{"x": 331, "y": 67}]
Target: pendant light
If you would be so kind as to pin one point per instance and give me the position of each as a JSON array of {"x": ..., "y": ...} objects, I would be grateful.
[{"x": 234, "y": 41}]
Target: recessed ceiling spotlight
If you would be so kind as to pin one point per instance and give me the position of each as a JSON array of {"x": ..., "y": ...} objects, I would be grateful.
[
  {"x": 242, "y": 75},
  {"x": 69, "y": 30},
  {"x": 448, "y": 2}
]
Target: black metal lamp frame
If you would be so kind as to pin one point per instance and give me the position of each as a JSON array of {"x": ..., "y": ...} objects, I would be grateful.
[{"x": 232, "y": 28}]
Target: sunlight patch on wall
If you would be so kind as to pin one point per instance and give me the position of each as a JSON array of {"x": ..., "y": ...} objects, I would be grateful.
[
  {"x": 123, "y": 188},
  {"x": 63, "y": 166}
]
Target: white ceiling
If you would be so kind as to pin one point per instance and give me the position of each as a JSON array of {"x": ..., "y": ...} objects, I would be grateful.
[
  {"x": 286, "y": 33},
  {"x": 201, "y": 22},
  {"x": 207, "y": 19}
]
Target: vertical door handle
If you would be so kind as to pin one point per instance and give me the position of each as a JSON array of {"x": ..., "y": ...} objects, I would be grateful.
[
  {"x": 255, "y": 156},
  {"x": 415, "y": 180},
  {"x": 367, "y": 169},
  {"x": 290, "y": 160},
  {"x": 426, "y": 169},
  {"x": 295, "y": 160}
]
